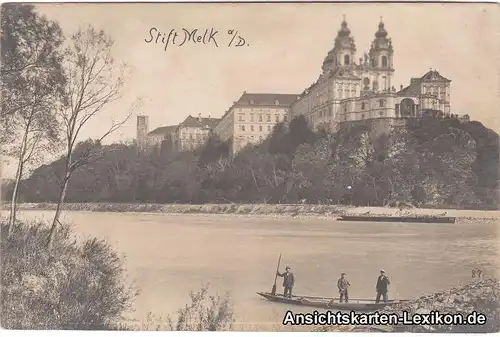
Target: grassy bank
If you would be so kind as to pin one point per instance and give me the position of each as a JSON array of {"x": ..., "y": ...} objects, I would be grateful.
[{"x": 259, "y": 209}]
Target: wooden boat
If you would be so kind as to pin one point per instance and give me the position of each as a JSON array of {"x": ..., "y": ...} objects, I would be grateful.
[
  {"x": 326, "y": 302},
  {"x": 417, "y": 219}
]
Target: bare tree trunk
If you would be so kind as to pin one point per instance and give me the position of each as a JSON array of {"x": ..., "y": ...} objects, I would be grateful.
[
  {"x": 55, "y": 222},
  {"x": 15, "y": 192},
  {"x": 62, "y": 195}
]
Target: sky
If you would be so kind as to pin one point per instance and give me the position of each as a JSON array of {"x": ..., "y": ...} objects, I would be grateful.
[{"x": 285, "y": 45}]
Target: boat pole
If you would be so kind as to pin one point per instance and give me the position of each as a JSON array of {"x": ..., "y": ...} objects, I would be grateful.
[{"x": 273, "y": 291}]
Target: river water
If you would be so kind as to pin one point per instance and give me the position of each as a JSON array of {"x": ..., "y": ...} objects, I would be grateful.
[{"x": 167, "y": 256}]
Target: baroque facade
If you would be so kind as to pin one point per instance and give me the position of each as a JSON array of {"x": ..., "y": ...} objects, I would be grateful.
[
  {"x": 252, "y": 118},
  {"x": 348, "y": 91}
]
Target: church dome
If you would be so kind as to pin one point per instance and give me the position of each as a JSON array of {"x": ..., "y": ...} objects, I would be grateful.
[
  {"x": 381, "y": 32},
  {"x": 344, "y": 30}
]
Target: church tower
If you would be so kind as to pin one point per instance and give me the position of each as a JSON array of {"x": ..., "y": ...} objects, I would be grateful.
[
  {"x": 381, "y": 58},
  {"x": 343, "y": 52},
  {"x": 142, "y": 132}
]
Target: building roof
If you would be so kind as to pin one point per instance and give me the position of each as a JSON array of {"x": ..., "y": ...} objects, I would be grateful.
[
  {"x": 163, "y": 130},
  {"x": 202, "y": 122},
  {"x": 434, "y": 76},
  {"x": 266, "y": 99},
  {"x": 413, "y": 90}
]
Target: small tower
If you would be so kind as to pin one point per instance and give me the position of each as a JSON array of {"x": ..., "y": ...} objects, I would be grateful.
[
  {"x": 381, "y": 57},
  {"x": 343, "y": 52},
  {"x": 142, "y": 132}
]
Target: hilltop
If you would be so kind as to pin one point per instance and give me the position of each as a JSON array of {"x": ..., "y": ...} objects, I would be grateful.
[{"x": 428, "y": 163}]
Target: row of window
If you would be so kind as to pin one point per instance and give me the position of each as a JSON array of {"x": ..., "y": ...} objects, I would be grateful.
[
  {"x": 243, "y": 139},
  {"x": 381, "y": 104},
  {"x": 262, "y": 110},
  {"x": 325, "y": 113},
  {"x": 241, "y": 118},
  {"x": 242, "y": 127},
  {"x": 191, "y": 136},
  {"x": 346, "y": 93}
]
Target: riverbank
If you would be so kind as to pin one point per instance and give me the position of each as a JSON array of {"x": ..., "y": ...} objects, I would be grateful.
[{"x": 330, "y": 211}]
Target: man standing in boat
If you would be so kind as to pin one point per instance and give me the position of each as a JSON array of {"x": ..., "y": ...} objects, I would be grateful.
[
  {"x": 382, "y": 286},
  {"x": 343, "y": 284},
  {"x": 288, "y": 282}
]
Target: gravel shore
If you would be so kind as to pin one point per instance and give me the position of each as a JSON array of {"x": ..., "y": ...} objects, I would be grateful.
[{"x": 301, "y": 210}]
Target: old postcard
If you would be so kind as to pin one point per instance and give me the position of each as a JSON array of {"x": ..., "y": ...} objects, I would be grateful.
[{"x": 250, "y": 167}]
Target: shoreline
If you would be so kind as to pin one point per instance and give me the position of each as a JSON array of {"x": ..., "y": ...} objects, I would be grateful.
[{"x": 275, "y": 210}]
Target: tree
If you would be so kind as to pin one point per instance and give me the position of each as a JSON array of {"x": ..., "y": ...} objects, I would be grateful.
[
  {"x": 93, "y": 84},
  {"x": 32, "y": 86}
]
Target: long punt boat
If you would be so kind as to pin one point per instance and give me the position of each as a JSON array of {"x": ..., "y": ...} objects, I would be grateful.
[
  {"x": 415, "y": 219},
  {"x": 327, "y": 302}
]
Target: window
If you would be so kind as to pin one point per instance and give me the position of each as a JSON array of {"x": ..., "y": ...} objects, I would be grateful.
[
  {"x": 345, "y": 108},
  {"x": 251, "y": 127},
  {"x": 268, "y": 118},
  {"x": 260, "y": 127},
  {"x": 240, "y": 118},
  {"x": 381, "y": 113},
  {"x": 363, "y": 116},
  {"x": 362, "y": 105},
  {"x": 381, "y": 103},
  {"x": 242, "y": 127},
  {"x": 346, "y": 60},
  {"x": 285, "y": 118},
  {"x": 251, "y": 117},
  {"x": 277, "y": 118},
  {"x": 384, "y": 61},
  {"x": 260, "y": 118},
  {"x": 269, "y": 128}
]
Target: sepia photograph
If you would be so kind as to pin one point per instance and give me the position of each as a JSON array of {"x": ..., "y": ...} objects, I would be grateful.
[{"x": 260, "y": 167}]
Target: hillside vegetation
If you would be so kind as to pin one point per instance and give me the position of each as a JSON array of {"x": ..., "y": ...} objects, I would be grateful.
[{"x": 430, "y": 162}]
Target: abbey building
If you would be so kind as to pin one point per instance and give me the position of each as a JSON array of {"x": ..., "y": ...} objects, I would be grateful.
[{"x": 350, "y": 90}]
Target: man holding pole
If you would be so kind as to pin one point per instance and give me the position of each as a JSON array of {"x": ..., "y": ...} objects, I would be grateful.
[{"x": 288, "y": 281}]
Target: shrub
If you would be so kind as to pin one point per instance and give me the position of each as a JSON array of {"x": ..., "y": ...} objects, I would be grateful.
[
  {"x": 72, "y": 285},
  {"x": 204, "y": 313}
]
